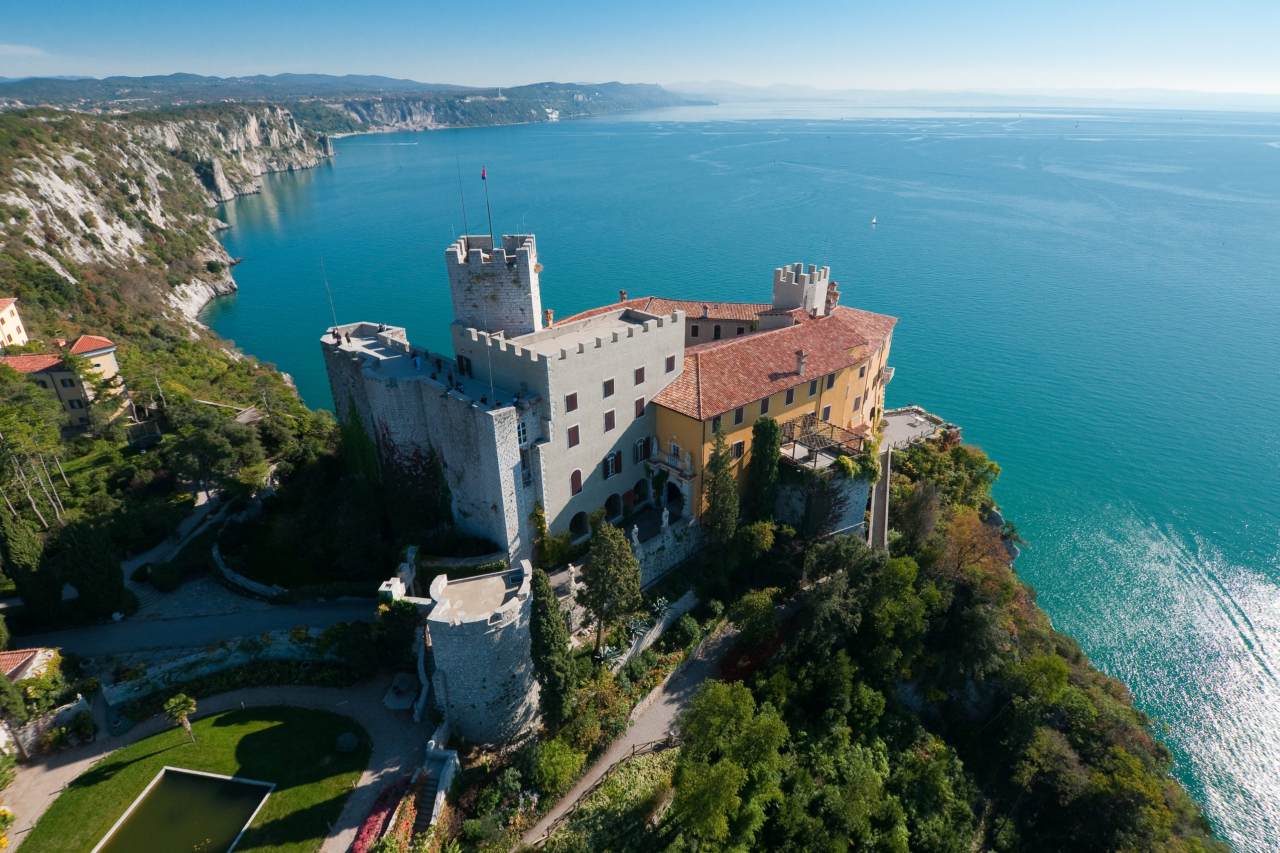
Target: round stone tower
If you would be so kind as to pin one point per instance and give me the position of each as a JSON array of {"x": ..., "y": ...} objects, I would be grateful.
[{"x": 483, "y": 680}]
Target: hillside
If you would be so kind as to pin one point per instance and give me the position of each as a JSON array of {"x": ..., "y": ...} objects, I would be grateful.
[{"x": 344, "y": 104}]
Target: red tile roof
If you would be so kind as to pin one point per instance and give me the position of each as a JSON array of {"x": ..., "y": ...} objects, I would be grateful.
[
  {"x": 13, "y": 661},
  {"x": 741, "y": 311},
  {"x": 90, "y": 343},
  {"x": 6, "y": 301},
  {"x": 31, "y": 363},
  {"x": 723, "y": 375}
]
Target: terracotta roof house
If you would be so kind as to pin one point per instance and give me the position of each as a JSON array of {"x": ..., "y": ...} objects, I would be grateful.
[{"x": 51, "y": 371}]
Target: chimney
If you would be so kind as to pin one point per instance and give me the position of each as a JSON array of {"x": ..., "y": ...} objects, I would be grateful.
[
  {"x": 622, "y": 296},
  {"x": 706, "y": 309},
  {"x": 548, "y": 317},
  {"x": 801, "y": 358}
]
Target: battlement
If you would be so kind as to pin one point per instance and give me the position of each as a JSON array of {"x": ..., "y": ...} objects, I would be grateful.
[
  {"x": 794, "y": 286},
  {"x": 477, "y": 251},
  {"x": 583, "y": 337}
]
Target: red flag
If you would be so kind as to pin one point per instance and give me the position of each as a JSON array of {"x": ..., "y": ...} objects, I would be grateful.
[{"x": 483, "y": 176}]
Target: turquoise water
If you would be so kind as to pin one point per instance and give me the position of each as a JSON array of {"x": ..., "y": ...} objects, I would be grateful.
[{"x": 1093, "y": 297}]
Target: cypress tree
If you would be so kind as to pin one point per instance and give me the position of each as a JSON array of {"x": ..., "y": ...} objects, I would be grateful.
[
  {"x": 721, "y": 515},
  {"x": 552, "y": 662},
  {"x": 21, "y": 549},
  {"x": 762, "y": 472}
]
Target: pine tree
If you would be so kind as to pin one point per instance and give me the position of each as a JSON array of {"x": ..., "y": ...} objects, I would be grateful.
[
  {"x": 611, "y": 578},
  {"x": 721, "y": 515},
  {"x": 762, "y": 472},
  {"x": 552, "y": 662}
]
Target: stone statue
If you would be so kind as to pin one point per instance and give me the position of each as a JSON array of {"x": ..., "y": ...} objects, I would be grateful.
[
  {"x": 666, "y": 517},
  {"x": 635, "y": 536}
]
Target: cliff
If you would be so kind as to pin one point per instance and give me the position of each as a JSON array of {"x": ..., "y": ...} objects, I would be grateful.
[{"x": 79, "y": 192}]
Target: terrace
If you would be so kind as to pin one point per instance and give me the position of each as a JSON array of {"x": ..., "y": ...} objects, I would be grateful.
[{"x": 811, "y": 443}]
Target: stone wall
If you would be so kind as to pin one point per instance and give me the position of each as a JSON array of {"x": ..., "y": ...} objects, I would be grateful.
[
  {"x": 790, "y": 507},
  {"x": 483, "y": 679},
  {"x": 674, "y": 544},
  {"x": 495, "y": 289}
]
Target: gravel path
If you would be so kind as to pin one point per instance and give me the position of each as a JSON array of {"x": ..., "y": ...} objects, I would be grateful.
[
  {"x": 398, "y": 747},
  {"x": 653, "y": 719}
]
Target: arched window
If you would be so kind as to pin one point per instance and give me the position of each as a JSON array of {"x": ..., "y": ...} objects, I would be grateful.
[{"x": 575, "y": 482}]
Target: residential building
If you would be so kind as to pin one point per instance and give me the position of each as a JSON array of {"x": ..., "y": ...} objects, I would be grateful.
[
  {"x": 53, "y": 372},
  {"x": 12, "y": 332},
  {"x": 580, "y": 414}
]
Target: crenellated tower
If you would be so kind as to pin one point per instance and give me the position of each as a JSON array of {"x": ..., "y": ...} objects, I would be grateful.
[
  {"x": 796, "y": 287},
  {"x": 495, "y": 290}
]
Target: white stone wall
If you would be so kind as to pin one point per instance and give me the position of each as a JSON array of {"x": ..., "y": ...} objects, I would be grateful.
[{"x": 583, "y": 372}]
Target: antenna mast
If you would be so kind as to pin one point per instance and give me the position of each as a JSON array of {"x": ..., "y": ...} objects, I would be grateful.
[
  {"x": 462, "y": 198},
  {"x": 484, "y": 178},
  {"x": 333, "y": 312}
]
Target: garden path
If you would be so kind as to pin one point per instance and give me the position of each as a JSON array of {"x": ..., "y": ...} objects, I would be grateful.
[
  {"x": 653, "y": 719},
  {"x": 398, "y": 747}
]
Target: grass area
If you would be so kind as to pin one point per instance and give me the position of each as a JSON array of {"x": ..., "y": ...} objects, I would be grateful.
[
  {"x": 616, "y": 815},
  {"x": 293, "y": 747}
]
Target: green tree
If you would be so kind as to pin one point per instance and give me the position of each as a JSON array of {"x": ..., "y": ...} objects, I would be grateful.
[
  {"x": 554, "y": 765},
  {"x": 610, "y": 578},
  {"x": 21, "y": 550},
  {"x": 4, "y": 634},
  {"x": 721, "y": 515},
  {"x": 83, "y": 554},
  {"x": 753, "y": 614},
  {"x": 762, "y": 471},
  {"x": 552, "y": 661},
  {"x": 208, "y": 448},
  {"x": 179, "y": 708},
  {"x": 730, "y": 766}
]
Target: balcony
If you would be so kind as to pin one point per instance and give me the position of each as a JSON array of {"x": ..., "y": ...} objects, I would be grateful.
[
  {"x": 886, "y": 375},
  {"x": 673, "y": 464}
]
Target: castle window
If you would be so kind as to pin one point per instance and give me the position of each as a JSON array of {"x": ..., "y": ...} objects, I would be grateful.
[
  {"x": 739, "y": 448},
  {"x": 464, "y": 365},
  {"x": 575, "y": 483},
  {"x": 640, "y": 450},
  {"x": 571, "y": 402},
  {"x": 862, "y": 371},
  {"x": 737, "y": 415},
  {"x": 608, "y": 388},
  {"x": 42, "y": 383},
  {"x": 740, "y": 330},
  {"x": 608, "y": 420},
  {"x": 526, "y": 472},
  {"x": 813, "y": 387},
  {"x": 573, "y": 436},
  {"x": 715, "y": 424},
  {"x": 612, "y": 464},
  {"x": 522, "y": 433},
  {"x": 75, "y": 404},
  {"x": 826, "y": 413},
  {"x": 857, "y": 402},
  {"x": 693, "y": 330},
  {"x": 764, "y": 406},
  {"x": 671, "y": 364},
  {"x": 831, "y": 380},
  {"x": 791, "y": 396},
  {"x": 67, "y": 383},
  {"x": 639, "y": 408},
  {"x": 639, "y": 375},
  {"x": 716, "y": 332}
]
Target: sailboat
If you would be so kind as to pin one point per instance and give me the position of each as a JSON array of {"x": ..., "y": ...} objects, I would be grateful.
[{"x": 873, "y": 222}]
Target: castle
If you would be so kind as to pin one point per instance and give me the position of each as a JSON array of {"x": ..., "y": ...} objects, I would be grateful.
[{"x": 593, "y": 411}]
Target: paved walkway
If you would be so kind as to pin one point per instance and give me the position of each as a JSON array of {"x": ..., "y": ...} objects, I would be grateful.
[
  {"x": 133, "y": 635},
  {"x": 398, "y": 747},
  {"x": 879, "y": 537},
  {"x": 654, "y": 719}
]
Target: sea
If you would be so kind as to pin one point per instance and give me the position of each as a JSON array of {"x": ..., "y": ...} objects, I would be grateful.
[{"x": 1093, "y": 295}]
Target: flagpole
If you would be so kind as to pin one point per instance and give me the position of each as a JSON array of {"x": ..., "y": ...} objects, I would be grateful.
[{"x": 484, "y": 178}]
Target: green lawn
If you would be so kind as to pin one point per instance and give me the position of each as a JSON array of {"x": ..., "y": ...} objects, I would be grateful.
[{"x": 292, "y": 747}]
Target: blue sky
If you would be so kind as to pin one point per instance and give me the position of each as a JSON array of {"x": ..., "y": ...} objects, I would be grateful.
[{"x": 1226, "y": 45}]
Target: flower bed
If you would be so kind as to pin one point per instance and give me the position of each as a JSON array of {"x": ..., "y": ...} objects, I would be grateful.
[{"x": 383, "y": 807}]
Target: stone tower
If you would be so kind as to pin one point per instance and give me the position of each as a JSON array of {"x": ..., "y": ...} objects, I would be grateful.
[
  {"x": 480, "y": 642},
  {"x": 796, "y": 287},
  {"x": 495, "y": 290}
]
